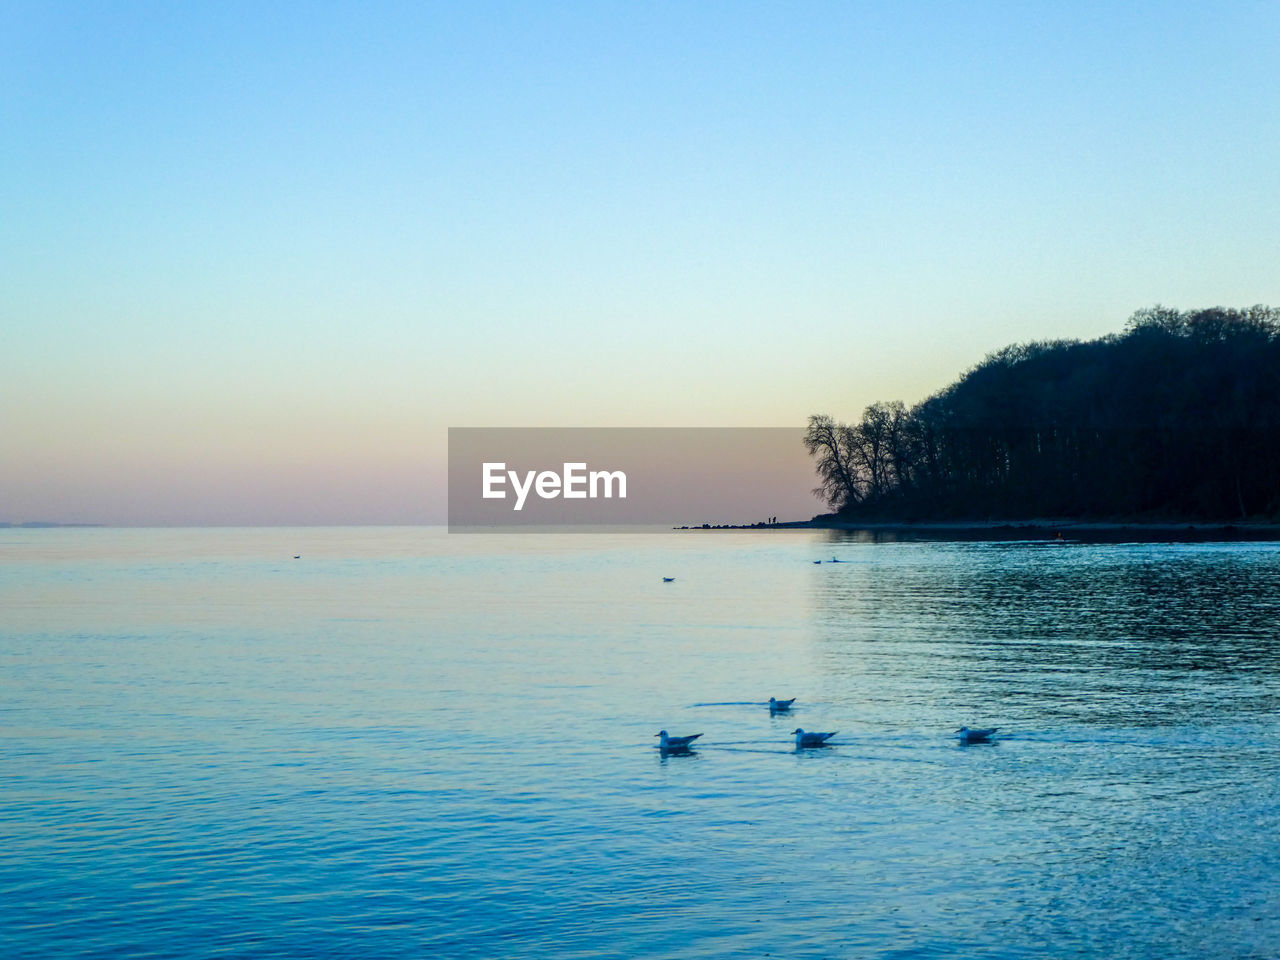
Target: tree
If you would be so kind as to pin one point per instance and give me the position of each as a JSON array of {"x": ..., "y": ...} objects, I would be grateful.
[
  {"x": 832, "y": 444},
  {"x": 1177, "y": 417}
]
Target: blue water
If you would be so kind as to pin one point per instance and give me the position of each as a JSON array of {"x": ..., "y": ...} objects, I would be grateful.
[{"x": 409, "y": 744}]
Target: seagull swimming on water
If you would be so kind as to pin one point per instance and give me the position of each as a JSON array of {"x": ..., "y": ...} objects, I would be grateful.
[
  {"x": 675, "y": 743},
  {"x": 779, "y": 706},
  {"x": 812, "y": 739},
  {"x": 975, "y": 736}
]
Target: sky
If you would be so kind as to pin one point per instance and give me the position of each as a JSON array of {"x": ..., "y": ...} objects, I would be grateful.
[{"x": 256, "y": 259}]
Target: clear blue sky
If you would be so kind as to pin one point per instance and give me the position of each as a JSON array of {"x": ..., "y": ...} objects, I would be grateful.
[{"x": 256, "y": 258}]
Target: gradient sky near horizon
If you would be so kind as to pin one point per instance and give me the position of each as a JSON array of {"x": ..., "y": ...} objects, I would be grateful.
[{"x": 257, "y": 258}]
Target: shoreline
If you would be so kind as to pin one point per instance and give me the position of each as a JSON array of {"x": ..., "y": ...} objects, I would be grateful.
[{"x": 1082, "y": 531}]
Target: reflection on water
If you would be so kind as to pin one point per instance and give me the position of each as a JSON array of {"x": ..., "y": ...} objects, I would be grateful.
[
  {"x": 405, "y": 743},
  {"x": 1099, "y": 635}
]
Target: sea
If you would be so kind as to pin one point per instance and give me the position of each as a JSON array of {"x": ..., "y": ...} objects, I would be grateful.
[{"x": 400, "y": 742}]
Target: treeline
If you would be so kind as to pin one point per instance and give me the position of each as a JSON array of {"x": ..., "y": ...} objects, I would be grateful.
[{"x": 1177, "y": 417}]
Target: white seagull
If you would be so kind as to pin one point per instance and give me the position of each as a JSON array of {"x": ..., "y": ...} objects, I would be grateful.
[
  {"x": 675, "y": 743},
  {"x": 812, "y": 739},
  {"x": 778, "y": 706},
  {"x": 975, "y": 736}
]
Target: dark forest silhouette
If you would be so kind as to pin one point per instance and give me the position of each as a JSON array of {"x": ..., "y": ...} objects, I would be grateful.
[{"x": 1178, "y": 417}]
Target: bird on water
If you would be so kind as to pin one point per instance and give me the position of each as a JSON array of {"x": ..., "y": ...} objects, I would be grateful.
[
  {"x": 975, "y": 736},
  {"x": 804, "y": 739},
  {"x": 670, "y": 743}
]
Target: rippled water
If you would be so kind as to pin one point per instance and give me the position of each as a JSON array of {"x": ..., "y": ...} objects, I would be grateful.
[{"x": 407, "y": 744}]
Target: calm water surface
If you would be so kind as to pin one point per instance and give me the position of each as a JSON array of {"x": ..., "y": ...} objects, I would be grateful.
[{"x": 409, "y": 744}]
